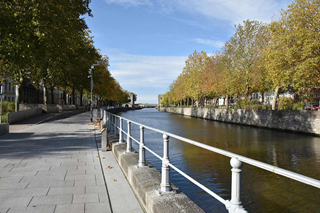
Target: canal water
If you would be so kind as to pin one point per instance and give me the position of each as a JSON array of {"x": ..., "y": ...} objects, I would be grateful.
[{"x": 262, "y": 191}]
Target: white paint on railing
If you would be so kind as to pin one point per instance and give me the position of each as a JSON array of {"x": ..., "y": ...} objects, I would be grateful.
[
  {"x": 129, "y": 142},
  {"x": 165, "y": 169},
  {"x": 120, "y": 132},
  {"x": 142, "y": 155}
]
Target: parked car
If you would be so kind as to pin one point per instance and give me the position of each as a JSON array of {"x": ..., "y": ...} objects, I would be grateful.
[{"x": 312, "y": 107}]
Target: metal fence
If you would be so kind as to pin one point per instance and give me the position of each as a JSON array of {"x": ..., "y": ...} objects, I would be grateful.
[{"x": 236, "y": 162}]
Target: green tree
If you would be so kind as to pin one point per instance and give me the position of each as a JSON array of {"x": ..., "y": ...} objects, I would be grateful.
[
  {"x": 240, "y": 53},
  {"x": 293, "y": 56},
  {"x": 195, "y": 66}
]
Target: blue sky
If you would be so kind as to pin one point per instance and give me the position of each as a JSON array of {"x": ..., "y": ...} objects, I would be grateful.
[{"x": 148, "y": 41}]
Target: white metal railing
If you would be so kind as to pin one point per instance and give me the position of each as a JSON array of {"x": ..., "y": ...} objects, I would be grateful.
[{"x": 234, "y": 205}]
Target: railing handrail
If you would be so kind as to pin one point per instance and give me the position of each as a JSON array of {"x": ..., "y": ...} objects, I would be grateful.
[{"x": 283, "y": 172}]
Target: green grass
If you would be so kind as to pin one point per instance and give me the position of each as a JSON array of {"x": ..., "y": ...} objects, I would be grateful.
[{"x": 7, "y": 107}]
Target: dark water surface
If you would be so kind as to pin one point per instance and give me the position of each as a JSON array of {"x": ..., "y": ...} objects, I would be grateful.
[{"x": 262, "y": 191}]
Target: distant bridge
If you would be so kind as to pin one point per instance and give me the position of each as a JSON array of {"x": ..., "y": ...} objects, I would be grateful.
[{"x": 146, "y": 105}]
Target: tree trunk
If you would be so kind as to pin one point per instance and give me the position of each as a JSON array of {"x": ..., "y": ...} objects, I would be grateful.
[
  {"x": 52, "y": 95},
  {"x": 275, "y": 97},
  {"x": 16, "y": 88},
  {"x": 216, "y": 101},
  {"x": 45, "y": 98},
  {"x": 73, "y": 98},
  {"x": 227, "y": 101},
  {"x": 205, "y": 101},
  {"x": 64, "y": 98},
  {"x": 262, "y": 98},
  {"x": 81, "y": 95},
  {"x": 187, "y": 102},
  {"x": 192, "y": 102},
  {"x": 20, "y": 93},
  {"x": 197, "y": 101}
]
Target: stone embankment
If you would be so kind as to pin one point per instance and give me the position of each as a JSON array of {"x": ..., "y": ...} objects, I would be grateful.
[
  {"x": 4, "y": 129},
  {"x": 298, "y": 121},
  {"x": 145, "y": 181},
  {"x": 15, "y": 117}
]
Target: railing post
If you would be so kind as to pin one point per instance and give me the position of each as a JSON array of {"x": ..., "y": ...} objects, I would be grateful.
[
  {"x": 142, "y": 152},
  {"x": 129, "y": 145},
  {"x": 108, "y": 120},
  {"x": 120, "y": 132},
  {"x": 165, "y": 174},
  {"x": 105, "y": 117},
  {"x": 111, "y": 123},
  {"x": 234, "y": 205},
  {"x": 115, "y": 124},
  {"x": 104, "y": 140}
]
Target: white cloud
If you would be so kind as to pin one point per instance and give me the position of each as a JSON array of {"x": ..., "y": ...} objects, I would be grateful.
[
  {"x": 234, "y": 11},
  {"x": 147, "y": 76},
  {"x": 209, "y": 42}
]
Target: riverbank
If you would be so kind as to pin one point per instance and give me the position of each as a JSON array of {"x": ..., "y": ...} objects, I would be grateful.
[{"x": 297, "y": 121}]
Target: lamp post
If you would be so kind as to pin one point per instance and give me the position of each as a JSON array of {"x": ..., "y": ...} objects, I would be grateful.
[
  {"x": 1, "y": 97},
  {"x": 91, "y": 76}
]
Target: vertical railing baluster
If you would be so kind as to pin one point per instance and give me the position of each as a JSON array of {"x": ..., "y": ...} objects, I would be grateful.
[
  {"x": 111, "y": 123},
  {"x": 129, "y": 145},
  {"x": 234, "y": 205},
  {"x": 165, "y": 175},
  {"x": 115, "y": 124},
  {"x": 120, "y": 132},
  {"x": 108, "y": 120},
  {"x": 142, "y": 152}
]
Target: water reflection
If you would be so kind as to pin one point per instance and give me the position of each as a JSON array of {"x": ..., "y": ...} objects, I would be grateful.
[{"x": 262, "y": 191}]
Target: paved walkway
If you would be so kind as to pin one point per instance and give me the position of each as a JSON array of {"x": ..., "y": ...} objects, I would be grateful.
[{"x": 54, "y": 167}]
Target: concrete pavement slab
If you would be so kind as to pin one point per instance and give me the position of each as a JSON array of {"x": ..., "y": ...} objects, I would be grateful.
[
  {"x": 95, "y": 189},
  {"x": 97, "y": 207},
  {"x": 51, "y": 200},
  {"x": 36, "y": 209},
  {"x": 13, "y": 185},
  {"x": 70, "y": 208},
  {"x": 67, "y": 190},
  {"x": 15, "y": 202},
  {"x": 23, "y": 192},
  {"x": 80, "y": 177},
  {"x": 50, "y": 183},
  {"x": 4, "y": 210},
  {"x": 85, "y": 198},
  {"x": 77, "y": 172}
]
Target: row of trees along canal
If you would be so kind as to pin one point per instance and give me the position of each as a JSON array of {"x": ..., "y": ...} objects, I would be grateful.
[
  {"x": 48, "y": 42},
  {"x": 259, "y": 57}
]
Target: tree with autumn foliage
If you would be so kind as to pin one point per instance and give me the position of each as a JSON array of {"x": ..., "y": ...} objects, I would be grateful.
[
  {"x": 293, "y": 56},
  {"x": 212, "y": 78},
  {"x": 195, "y": 66}
]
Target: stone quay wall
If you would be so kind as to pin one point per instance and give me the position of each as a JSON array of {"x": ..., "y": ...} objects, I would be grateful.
[
  {"x": 22, "y": 115},
  {"x": 297, "y": 121},
  {"x": 145, "y": 181},
  {"x": 4, "y": 129}
]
